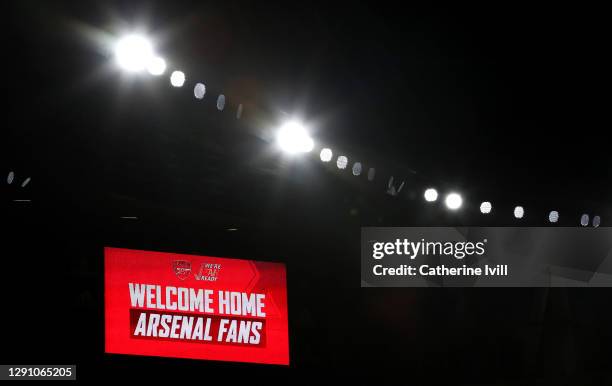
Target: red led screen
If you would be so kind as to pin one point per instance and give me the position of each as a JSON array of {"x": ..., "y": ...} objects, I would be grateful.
[{"x": 200, "y": 307}]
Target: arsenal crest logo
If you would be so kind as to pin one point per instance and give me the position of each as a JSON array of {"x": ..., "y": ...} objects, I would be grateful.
[{"x": 182, "y": 268}]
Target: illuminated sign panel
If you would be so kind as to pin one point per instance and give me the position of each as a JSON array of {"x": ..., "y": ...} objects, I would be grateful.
[{"x": 199, "y": 307}]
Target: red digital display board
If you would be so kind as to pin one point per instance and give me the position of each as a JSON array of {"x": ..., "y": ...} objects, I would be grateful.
[{"x": 199, "y": 307}]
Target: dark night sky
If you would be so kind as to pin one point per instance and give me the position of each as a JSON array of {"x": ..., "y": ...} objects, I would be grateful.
[{"x": 502, "y": 104}]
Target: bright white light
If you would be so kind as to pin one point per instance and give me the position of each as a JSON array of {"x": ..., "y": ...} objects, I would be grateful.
[
  {"x": 177, "y": 78},
  {"x": 553, "y": 216},
  {"x": 156, "y": 66},
  {"x": 431, "y": 195},
  {"x": 485, "y": 207},
  {"x": 519, "y": 212},
  {"x": 326, "y": 155},
  {"x": 453, "y": 201},
  {"x": 199, "y": 90},
  {"x": 293, "y": 138},
  {"x": 341, "y": 162},
  {"x": 134, "y": 53},
  {"x": 357, "y": 168}
]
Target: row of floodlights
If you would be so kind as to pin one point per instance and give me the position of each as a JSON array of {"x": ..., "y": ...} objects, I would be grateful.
[
  {"x": 134, "y": 53},
  {"x": 453, "y": 200}
]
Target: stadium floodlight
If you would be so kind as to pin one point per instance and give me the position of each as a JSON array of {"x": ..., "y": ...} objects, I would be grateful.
[
  {"x": 453, "y": 201},
  {"x": 596, "y": 221},
  {"x": 199, "y": 90},
  {"x": 220, "y": 102},
  {"x": 293, "y": 138},
  {"x": 485, "y": 207},
  {"x": 553, "y": 216},
  {"x": 177, "y": 78},
  {"x": 326, "y": 155},
  {"x": 431, "y": 195},
  {"x": 519, "y": 212},
  {"x": 584, "y": 220},
  {"x": 134, "y": 53}
]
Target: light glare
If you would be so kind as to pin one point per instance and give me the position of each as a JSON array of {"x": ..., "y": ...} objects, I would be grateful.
[
  {"x": 453, "y": 201},
  {"x": 293, "y": 138},
  {"x": 156, "y": 66},
  {"x": 134, "y": 53}
]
